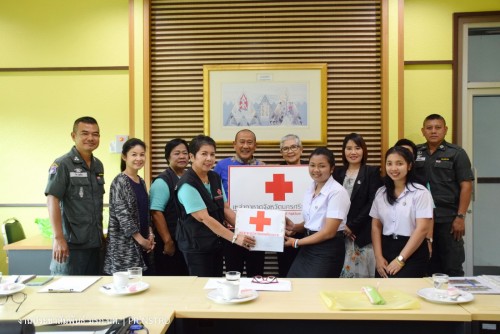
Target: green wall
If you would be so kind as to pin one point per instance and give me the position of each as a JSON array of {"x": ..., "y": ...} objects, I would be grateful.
[
  {"x": 38, "y": 108},
  {"x": 428, "y": 35}
]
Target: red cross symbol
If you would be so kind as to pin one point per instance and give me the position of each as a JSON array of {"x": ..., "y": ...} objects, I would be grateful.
[
  {"x": 260, "y": 221},
  {"x": 279, "y": 187}
]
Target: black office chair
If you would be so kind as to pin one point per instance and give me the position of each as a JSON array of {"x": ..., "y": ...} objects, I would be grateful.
[{"x": 12, "y": 231}]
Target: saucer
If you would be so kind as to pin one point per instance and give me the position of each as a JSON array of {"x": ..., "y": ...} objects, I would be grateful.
[
  {"x": 429, "y": 294},
  {"x": 130, "y": 289},
  {"x": 12, "y": 288},
  {"x": 244, "y": 296}
]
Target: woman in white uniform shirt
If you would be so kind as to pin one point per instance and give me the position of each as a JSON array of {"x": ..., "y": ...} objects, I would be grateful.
[
  {"x": 402, "y": 217},
  {"x": 324, "y": 208}
]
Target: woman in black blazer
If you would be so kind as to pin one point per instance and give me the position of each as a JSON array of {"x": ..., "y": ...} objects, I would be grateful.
[{"x": 361, "y": 182}]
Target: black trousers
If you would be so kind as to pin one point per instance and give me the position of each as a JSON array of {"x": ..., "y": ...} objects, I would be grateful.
[
  {"x": 205, "y": 264},
  {"x": 166, "y": 265},
  {"x": 448, "y": 254},
  {"x": 239, "y": 259},
  {"x": 415, "y": 266}
]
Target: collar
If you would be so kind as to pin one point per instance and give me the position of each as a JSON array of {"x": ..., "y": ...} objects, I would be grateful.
[
  {"x": 411, "y": 187},
  {"x": 77, "y": 158},
  {"x": 252, "y": 161},
  {"x": 441, "y": 147},
  {"x": 326, "y": 188}
]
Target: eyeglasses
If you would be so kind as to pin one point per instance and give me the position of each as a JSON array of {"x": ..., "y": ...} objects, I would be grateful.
[
  {"x": 264, "y": 279},
  {"x": 17, "y": 298},
  {"x": 292, "y": 148}
]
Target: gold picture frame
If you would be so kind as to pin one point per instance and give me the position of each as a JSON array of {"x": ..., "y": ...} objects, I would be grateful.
[{"x": 272, "y": 100}]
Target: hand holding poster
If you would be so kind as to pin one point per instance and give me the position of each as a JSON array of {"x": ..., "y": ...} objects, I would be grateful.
[
  {"x": 267, "y": 226},
  {"x": 269, "y": 188}
]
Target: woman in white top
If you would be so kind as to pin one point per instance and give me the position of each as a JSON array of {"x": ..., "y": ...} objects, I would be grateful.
[
  {"x": 402, "y": 217},
  {"x": 324, "y": 208}
]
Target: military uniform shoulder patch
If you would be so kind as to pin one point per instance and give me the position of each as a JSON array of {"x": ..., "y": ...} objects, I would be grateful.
[{"x": 53, "y": 168}]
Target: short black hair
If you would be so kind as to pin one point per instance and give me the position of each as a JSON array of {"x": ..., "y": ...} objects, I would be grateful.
[
  {"x": 323, "y": 150},
  {"x": 84, "y": 119},
  {"x": 434, "y": 117},
  {"x": 169, "y": 146},
  {"x": 407, "y": 142},
  {"x": 200, "y": 140}
]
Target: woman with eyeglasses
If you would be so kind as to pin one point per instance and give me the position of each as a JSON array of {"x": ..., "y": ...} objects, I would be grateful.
[
  {"x": 402, "y": 217},
  {"x": 361, "y": 182},
  {"x": 324, "y": 209},
  {"x": 203, "y": 211},
  {"x": 291, "y": 150}
]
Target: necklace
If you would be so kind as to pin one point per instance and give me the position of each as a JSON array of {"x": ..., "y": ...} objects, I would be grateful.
[
  {"x": 351, "y": 176},
  {"x": 352, "y": 173}
]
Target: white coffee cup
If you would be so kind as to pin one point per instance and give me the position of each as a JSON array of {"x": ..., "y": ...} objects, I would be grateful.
[
  {"x": 229, "y": 289},
  {"x": 120, "y": 280}
]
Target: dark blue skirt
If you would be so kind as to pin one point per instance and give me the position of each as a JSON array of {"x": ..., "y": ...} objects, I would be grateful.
[{"x": 323, "y": 260}]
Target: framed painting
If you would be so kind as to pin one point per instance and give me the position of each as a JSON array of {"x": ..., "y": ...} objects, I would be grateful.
[{"x": 272, "y": 100}]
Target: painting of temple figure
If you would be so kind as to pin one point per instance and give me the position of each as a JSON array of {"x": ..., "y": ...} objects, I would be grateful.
[
  {"x": 243, "y": 113},
  {"x": 265, "y": 104}
]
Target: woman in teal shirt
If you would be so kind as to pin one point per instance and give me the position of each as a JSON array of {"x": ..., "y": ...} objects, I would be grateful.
[{"x": 203, "y": 210}]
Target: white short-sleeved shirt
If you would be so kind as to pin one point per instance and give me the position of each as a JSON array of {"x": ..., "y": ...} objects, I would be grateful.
[
  {"x": 400, "y": 218},
  {"x": 332, "y": 202}
]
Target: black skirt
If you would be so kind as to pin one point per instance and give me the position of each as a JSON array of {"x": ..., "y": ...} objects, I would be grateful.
[
  {"x": 323, "y": 260},
  {"x": 415, "y": 266}
]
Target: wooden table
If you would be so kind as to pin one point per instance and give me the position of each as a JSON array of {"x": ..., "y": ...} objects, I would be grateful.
[
  {"x": 180, "y": 305},
  {"x": 302, "y": 311},
  {"x": 155, "y": 306},
  {"x": 485, "y": 313}
]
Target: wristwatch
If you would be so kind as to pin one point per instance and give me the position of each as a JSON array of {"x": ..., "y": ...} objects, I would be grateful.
[
  {"x": 461, "y": 215},
  {"x": 401, "y": 259}
]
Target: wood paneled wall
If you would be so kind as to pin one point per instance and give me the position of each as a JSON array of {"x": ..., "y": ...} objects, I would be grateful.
[{"x": 185, "y": 35}]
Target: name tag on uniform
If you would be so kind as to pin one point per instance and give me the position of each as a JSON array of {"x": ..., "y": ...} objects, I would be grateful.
[
  {"x": 420, "y": 158},
  {"x": 75, "y": 174}
]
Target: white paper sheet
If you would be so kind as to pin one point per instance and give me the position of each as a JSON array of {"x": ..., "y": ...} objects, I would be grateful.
[
  {"x": 70, "y": 284},
  {"x": 246, "y": 283}
]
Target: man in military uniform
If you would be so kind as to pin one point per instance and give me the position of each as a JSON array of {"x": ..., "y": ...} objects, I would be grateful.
[
  {"x": 75, "y": 191},
  {"x": 447, "y": 169}
]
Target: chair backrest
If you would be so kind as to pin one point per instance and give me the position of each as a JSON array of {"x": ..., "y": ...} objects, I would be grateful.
[{"x": 13, "y": 231}]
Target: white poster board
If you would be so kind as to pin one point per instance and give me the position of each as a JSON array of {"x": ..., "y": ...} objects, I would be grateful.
[
  {"x": 269, "y": 188},
  {"x": 266, "y": 226}
]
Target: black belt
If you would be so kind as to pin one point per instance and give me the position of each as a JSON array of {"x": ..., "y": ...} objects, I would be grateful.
[
  {"x": 396, "y": 236},
  {"x": 310, "y": 232},
  {"x": 338, "y": 234}
]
